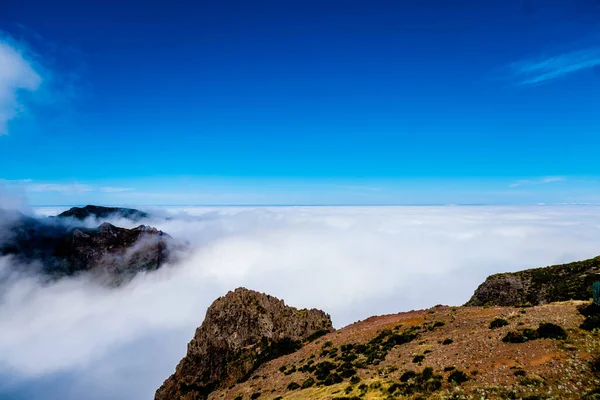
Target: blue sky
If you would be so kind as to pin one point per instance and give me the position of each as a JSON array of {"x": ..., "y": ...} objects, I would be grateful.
[{"x": 307, "y": 102}]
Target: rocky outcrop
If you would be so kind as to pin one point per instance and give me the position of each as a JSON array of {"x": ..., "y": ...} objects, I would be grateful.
[
  {"x": 241, "y": 331},
  {"x": 108, "y": 251},
  {"x": 571, "y": 281},
  {"x": 100, "y": 212}
]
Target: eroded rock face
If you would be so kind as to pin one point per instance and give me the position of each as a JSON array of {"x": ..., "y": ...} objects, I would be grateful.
[
  {"x": 241, "y": 331},
  {"x": 100, "y": 212},
  {"x": 109, "y": 251},
  {"x": 571, "y": 281}
]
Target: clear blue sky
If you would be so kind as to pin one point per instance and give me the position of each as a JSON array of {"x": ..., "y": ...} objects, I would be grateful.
[{"x": 345, "y": 102}]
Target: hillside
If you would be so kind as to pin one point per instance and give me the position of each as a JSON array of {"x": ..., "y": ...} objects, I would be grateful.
[
  {"x": 445, "y": 352},
  {"x": 572, "y": 281},
  {"x": 454, "y": 354}
]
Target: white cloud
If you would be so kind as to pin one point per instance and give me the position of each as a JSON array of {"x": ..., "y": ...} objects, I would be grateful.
[
  {"x": 16, "y": 75},
  {"x": 74, "y": 340},
  {"x": 539, "y": 181}
]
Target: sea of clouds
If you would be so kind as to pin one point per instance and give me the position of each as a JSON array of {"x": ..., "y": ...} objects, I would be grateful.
[{"x": 75, "y": 339}]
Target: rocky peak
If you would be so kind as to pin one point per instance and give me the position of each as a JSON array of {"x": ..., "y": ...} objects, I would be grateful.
[
  {"x": 100, "y": 212},
  {"x": 241, "y": 331},
  {"x": 112, "y": 252}
]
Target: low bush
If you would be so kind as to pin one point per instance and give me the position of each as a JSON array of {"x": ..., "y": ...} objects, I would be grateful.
[
  {"x": 498, "y": 323},
  {"x": 332, "y": 379},
  {"x": 293, "y": 386},
  {"x": 458, "y": 377},
  {"x": 551, "y": 331},
  {"x": 418, "y": 359},
  {"x": 314, "y": 336},
  {"x": 447, "y": 341},
  {"x": 308, "y": 383}
]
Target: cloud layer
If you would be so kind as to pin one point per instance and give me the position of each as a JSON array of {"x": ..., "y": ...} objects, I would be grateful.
[
  {"x": 74, "y": 339},
  {"x": 17, "y": 75}
]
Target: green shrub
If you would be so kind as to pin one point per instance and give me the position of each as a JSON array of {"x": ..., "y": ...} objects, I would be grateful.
[
  {"x": 354, "y": 380},
  {"x": 314, "y": 336},
  {"x": 438, "y": 324},
  {"x": 447, "y": 341},
  {"x": 498, "y": 323},
  {"x": 448, "y": 369},
  {"x": 532, "y": 380},
  {"x": 596, "y": 293},
  {"x": 290, "y": 371},
  {"x": 282, "y": 368},
  {"x": 458, "y": 377},
  {"x": 408, "y": 375},
  {"x": 293, "y": 386},
  {"x": 432, "y": 385},
  {"x": 520, "y": 372},
  {"x": 549, "y": 330},
  {"x": 255, "y": 395},
  {"x": 427, "y": 373},
  {"x": 332, "y": 379},
  {"x": 238, "y": 397},
  {"x": 329, "y": 343},
  {"x": 308, "y": 383},
  {"x": 520, "y": 336},
  {"x": 323, "y": 369},
  {"x": 418, "y": 359},
  {"x": 592, "y": 314}
]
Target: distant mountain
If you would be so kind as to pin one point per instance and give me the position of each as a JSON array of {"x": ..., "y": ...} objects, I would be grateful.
[
  {"x": 563, "y": 282},
  {"x": 110, "y": 252},
  {"x": 100, "y": 212}
]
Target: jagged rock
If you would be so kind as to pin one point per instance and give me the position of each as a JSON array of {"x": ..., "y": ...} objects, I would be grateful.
[
  {"x": 109, "y": 251},
  {"x": 100, "y": 212},
  {"x": 571, "y": 281},
  {"x": 241, "y": 331}
]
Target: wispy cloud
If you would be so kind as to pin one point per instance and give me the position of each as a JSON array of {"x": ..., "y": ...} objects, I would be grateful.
[
  {"x": 112, "y": 189},
  {"x": 17, "y": 75},
  {"x": 540, "y": 181},
  {"x": 31, "y": 186},
  {"x": 70, "y": 188},
  {"x": 546, "y": 69}
]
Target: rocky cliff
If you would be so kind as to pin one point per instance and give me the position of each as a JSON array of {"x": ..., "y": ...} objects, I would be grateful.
[
  {"x": 241, "y": 331},
  {"x": 571, "y": 281},
  {"x": 108, "y": 251}
]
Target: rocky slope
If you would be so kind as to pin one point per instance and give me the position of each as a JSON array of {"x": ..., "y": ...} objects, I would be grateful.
[
  {"x": 571, "y": 281},
  {"x": 100, "y": 212},
  {"x": 523, "y": 335},
  {"x": 108, "y": 251},
  {"x": 444, "y": 352},
  {"x": 241, "y": 331}
]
